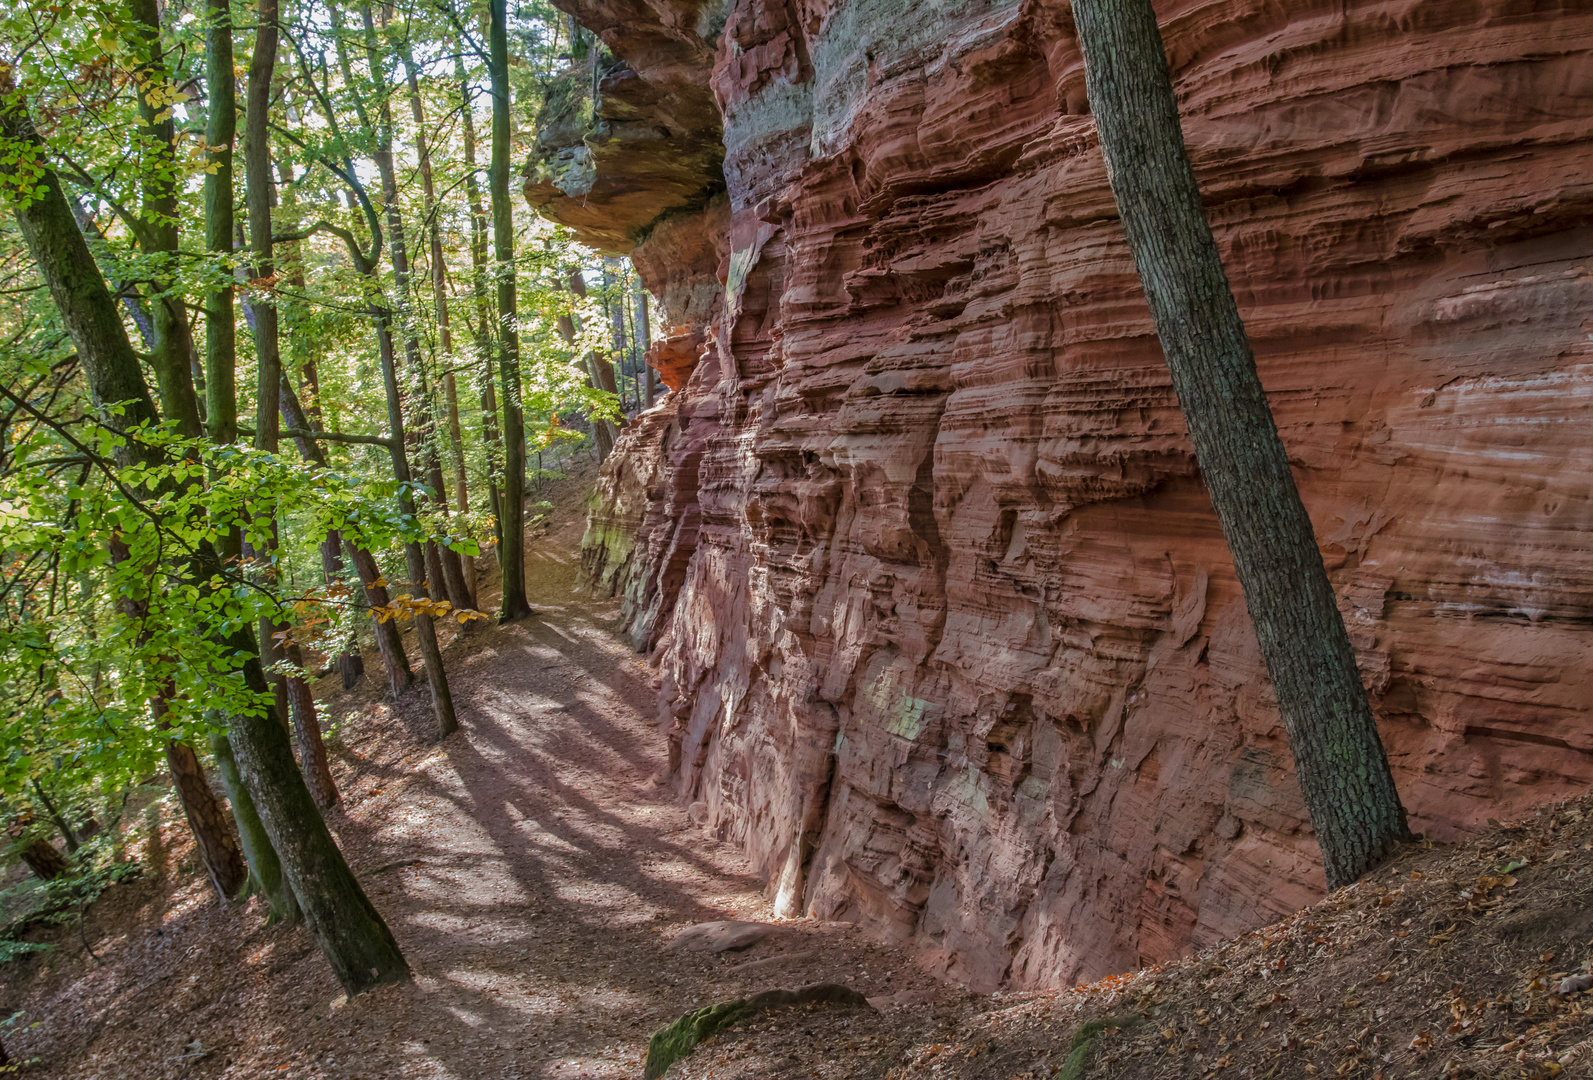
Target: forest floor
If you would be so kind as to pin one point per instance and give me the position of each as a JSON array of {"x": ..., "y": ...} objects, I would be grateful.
[
  {"x": 535, "y": 872},
  {"x": 530, "y": 865}
]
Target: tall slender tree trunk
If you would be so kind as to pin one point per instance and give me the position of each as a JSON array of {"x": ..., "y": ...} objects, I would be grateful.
[
  {"x": 442, "y": 703},
  {"x": 221, "y": 413},
  {"x": 447, "y": 575},
  {"x": 170, "y": 349},
  {"x": 260, "y": 195},
  {"x": 388, "y": 642},
  {"x": 171, "y": 345},
  {"x": 478, "y": 288},
  {"x": 614, "y": 304},
  {"x": 598, "y": 367},
  {"x": 1338, "y": 754},
  {"x": 515, "y": 603},
  {"x": 439, "y": 295},
  {"x": 414, "y": 553},
  {"x": 644, "y": 335}
]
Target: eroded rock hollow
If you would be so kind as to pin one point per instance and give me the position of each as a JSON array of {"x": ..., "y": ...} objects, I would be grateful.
[{"x": 948, "y": 635}]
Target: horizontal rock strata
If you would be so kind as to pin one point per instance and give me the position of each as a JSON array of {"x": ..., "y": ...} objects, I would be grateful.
[{"x": 948, "y": 636}]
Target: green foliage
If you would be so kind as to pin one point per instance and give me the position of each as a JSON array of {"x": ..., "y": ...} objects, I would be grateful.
[{"x": 120, "y": 585}]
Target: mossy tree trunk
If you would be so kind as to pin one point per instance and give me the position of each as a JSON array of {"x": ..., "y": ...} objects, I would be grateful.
[{"x": 1339, "y": 756}]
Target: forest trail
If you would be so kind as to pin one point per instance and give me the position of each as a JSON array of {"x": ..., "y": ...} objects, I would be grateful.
[{"x": 530, "y": 866}]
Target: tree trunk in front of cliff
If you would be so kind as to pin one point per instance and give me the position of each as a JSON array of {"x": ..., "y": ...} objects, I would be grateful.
[
  {"x": 478, "y": 290},
  {"x": 221, "y": 414},
  {"x": 600, "y": 374},
  {"x": 515, "y": 604},
  {"x": 1339, "y": 756},
  {"x": 614, "y": 305},
  {"x": 352, "y": 935},
  {"x": 644, "y": 336},
  {"x": 602, "y": 434}
]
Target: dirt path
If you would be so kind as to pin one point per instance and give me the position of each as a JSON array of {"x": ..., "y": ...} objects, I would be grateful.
[{"x": 530, "y": 866}]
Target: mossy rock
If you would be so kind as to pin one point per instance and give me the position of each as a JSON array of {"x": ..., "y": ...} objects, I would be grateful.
[{"x": 677, "y": 1040}]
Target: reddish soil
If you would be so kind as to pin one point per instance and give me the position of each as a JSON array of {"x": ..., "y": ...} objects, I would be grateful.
[{"x": 530, "y": 866}]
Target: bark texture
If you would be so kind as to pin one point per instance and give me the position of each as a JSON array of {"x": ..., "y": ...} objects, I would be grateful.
[
  {"x": 512, "y": 558},
  {"x": 487, "y": 375},
  {"x": 221, "y": 125},
  {"x": 351, "y": 933},
  {"x": 266, "y": 879},
  {"x": 46, "y": 863},
  {"x": 1343, "y": 769},
  {"x": 207, "y": 820}
]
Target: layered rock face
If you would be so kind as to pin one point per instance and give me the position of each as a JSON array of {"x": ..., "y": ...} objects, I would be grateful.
[{"x": 948, "y": 635}]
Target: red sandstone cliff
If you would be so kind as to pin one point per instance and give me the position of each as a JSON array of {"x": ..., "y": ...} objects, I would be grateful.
[{"x": 948, "y": 634}]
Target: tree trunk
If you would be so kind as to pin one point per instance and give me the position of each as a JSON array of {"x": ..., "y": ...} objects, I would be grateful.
[
  {"x": 58, "y": 818},
  {"x": 351, "y": 933},
  {"x": 447, "y": 576},
  {"x": 478, "y": 288},
  {"x": 221, "y": 330},
  {"x": 439, "y": 296},
  {"x": 442, "y": 703},
  {"x": 261, "y": 189},
  {"x": 307, "y": 731},
  {"x": 221, "y": 413},
  {"x": 515, "y": 603},
  {"x": 46, "y": 863},
  {"x": 171, "y": 346},
  {"x": 260, "y": 186},
  {"x": 614, "y": 303},
  {"x": 1338, "y": 754},
  {"x": 600, "y": 371},
  {"x": 266, "y": 879},
  {"x": 389, "y": 642},
  {"x": 352, "y": 667},
  {"x": 644, "y": 335},
  {"x": 125, "y": 291},
  {"x": 207, "y": 820}
]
